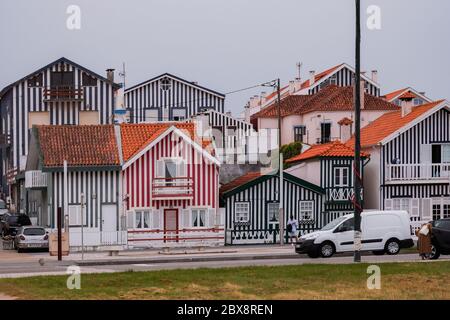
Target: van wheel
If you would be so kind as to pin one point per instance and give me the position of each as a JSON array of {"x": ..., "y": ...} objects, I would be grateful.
[
  {"x": 378, "y": 252},
  {"x": 434, "y": 255},
  {"x": 392, "y": 247},
  {"x": 327, "y": 250}
]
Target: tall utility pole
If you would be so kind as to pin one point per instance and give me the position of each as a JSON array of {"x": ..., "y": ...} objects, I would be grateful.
[
  {"x": 280, "y": 167},
  {"x": 357, "y": 161}
]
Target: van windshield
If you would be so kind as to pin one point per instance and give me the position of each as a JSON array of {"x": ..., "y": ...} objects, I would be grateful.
[{"x": 333, "y": 224}]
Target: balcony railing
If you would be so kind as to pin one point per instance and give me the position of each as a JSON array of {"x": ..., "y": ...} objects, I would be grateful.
[
  {"x": 418, "y": 172},
  {"x": 173, "y": 188},
  {"x": 63, "y": 93},
  {"x": 36, "y": 179},
  {"x": 341, "y": 194}
]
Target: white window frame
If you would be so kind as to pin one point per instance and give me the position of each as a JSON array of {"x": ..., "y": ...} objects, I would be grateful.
[
  {"x": 339, "y": 172},
  {"x": 239, "y": 212},
  {"x": 143, "y": 213},
  {"x": 197, "y": 212},
  {"x": 304, "y": 211},
  {"x": 277, "y": 205}
]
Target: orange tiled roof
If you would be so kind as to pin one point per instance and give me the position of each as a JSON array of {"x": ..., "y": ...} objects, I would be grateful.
[
  {"x": 330, "y": 98},
  {"x": 390, "y": 122},
  {"x": 136, "y": 137},
  {"x": 88, "y": 145},
  {"x": 320, "y": 76},
  {"x": 332, "y": 149},
  {"x": 250, "y": 176},
  {"x": 405, "y": 93}
]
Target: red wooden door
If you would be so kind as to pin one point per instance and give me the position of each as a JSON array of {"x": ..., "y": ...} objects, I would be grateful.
[{"x": 170, "y": 225}]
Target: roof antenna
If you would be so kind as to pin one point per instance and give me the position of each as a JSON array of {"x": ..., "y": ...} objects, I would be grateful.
[
  {"x": 122, "y": 74},
  {"x": 299, "y": 69}
]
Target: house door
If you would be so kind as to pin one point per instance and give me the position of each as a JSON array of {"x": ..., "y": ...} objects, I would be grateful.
[
  {"x": 170, "y": 225},
  {"x": 109, "y": 217}
]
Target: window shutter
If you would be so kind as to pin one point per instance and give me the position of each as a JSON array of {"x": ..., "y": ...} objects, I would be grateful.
[
  {"x": 427, "y": 212},
  {"x": 156, "y": 219},
  {"x": 388, "y": 204},
  {"x": 210, "y": 219},
  {"x": 160, "y": 168},
  {"x": 181, "y": 172},
  {"x": 130, "y": 220},
  {"x": 415, "y": 210},
  {"x": 425, "y": 153},
  {"x": 185, "y": 219}
]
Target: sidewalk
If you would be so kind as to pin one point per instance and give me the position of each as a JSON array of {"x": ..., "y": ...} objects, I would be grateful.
[{"x": 188, "y": 255}]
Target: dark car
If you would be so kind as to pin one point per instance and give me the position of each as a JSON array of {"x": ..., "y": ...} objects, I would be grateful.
[
  {"x": 440, "y": 237},
  {"x": 11, "y": 222}
]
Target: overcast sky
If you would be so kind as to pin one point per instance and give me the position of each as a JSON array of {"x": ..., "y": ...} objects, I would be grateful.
[{"x": 230, "y": 44}]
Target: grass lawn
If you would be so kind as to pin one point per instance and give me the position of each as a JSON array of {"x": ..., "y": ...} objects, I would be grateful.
[{"x": 398, "y": 281}]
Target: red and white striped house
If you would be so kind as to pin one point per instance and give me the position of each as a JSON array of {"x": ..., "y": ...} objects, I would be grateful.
[{"x": 170, "y": 186}]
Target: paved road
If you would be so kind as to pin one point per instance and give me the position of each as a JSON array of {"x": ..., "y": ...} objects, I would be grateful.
[{"x": 32, "y": 268}]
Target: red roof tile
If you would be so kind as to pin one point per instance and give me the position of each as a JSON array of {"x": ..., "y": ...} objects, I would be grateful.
[
  {"x": 135, "y": 137},
  {"x": 390, "y": 122},
  {"x": 90, "y": 145},
  {"x": 330, "y": 98},
  {"x": 240, "y": 181},
  {"x": 332, "y": 149}
]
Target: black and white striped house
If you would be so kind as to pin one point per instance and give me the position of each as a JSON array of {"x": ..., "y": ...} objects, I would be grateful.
[
  {"x": 251, "y": 205},
  {"x": 331, "y": 167},
  {"x": 94, "y": 181},
  {"x": 62, "y": 92},
  {"x": 169, "y": 98},
  {"x": 410, "y": 161}
]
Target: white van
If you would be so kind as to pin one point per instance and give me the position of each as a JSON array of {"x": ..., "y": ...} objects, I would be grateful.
[{"x": 382, "y": 232}]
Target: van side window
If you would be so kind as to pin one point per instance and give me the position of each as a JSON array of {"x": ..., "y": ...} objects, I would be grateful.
[{"x": 348, "y": 225}]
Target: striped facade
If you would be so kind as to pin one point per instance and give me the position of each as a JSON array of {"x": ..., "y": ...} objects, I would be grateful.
[
  {"x": 169, "y": 98},
  {"x": 338, "y": 200},
  {"x": 101, "y": 190},
  {"x": 427, "y": 199},
  {"x": 260, "y": 194},
  {"x": 198, "y": 191},
  {"x": 344, "y": 78},
  {"x": 22, "y": 99}
]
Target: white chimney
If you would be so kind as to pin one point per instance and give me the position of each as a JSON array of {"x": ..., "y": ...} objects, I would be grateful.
[
  {"x": 291, "y": 87},
  {"x": 312, "y": 77},
  {"x": 110, "y": 74},
  {"x": 375, "y": 76},
  {"x": 407, "y": 105}
]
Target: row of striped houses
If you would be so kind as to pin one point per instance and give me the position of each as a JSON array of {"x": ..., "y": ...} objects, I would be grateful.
[
  {"x": 66, "y": 93},
  {"x": 141, "y": 185}
]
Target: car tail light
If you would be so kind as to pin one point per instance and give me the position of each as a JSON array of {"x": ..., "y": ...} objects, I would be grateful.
[
  {"x": 22, "y": 238},
  {"x": 46, "y": 237}
]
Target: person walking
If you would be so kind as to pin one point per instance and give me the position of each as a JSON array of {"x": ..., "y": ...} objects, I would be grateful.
[
  {"x": 292, "y": 227},
  {"x": 424, "y": 241}
]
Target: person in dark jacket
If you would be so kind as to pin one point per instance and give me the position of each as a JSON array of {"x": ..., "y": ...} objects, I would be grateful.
[{"x": 424, "y": 241}]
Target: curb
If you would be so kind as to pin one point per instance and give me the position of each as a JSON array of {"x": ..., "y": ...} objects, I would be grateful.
[{"x": 193, "y": 259}]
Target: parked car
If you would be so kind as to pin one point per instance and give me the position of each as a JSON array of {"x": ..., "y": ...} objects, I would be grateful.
[
  {"x": 382, "y": 232},
  {"x": 12, "y": 222},
  {"x": 31, "y": 237},
  {"x": 440, "y": 237}
]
